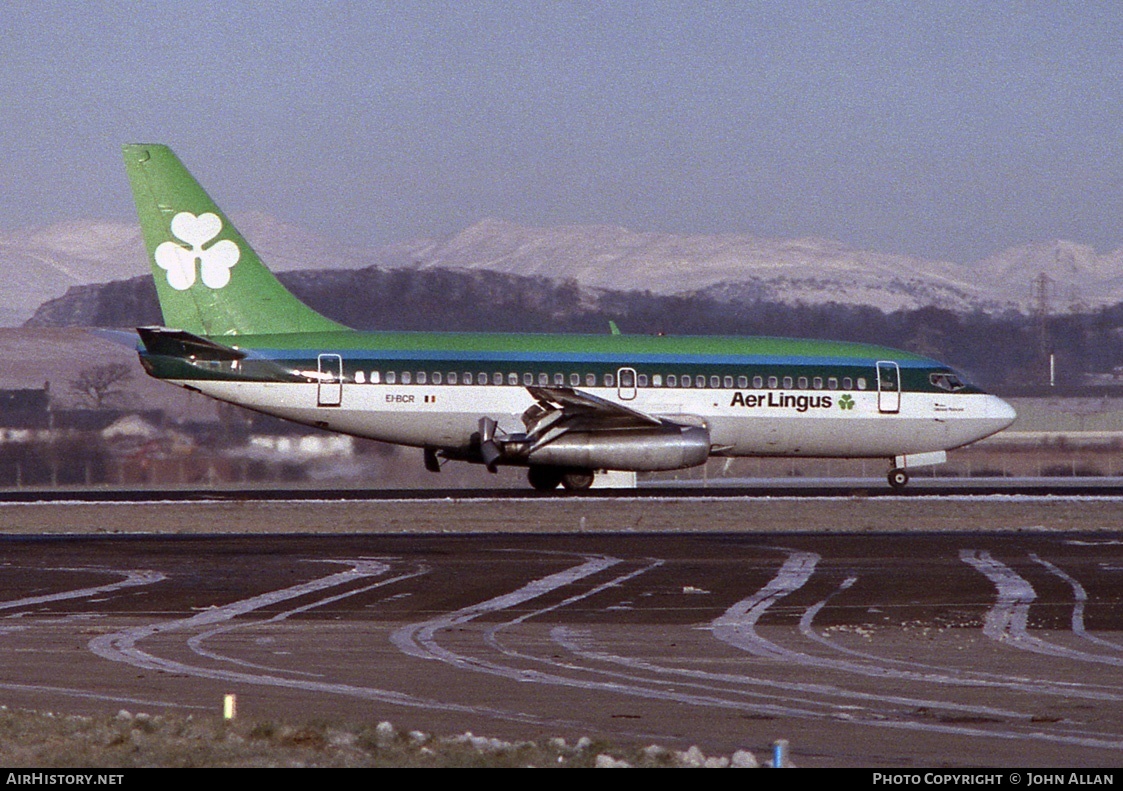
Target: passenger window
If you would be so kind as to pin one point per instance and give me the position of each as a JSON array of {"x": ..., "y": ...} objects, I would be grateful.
[
  {"x": 452, "y": 377},
  {"x": 861, "y": 383},
  {"x": 672, "y": 380},
  {"x": 742, "y": 382},
  {"x": 832, "y": 383},
  {"x": 657, "y": 380},
  {"x": 846, "y": 383},
  {"x": 727, "y": 382},
  {"x": 699, "y": 381},
  {"x": 590, "y": 380},
  {"x": 758, "y": 381},
  {"x": 641, "y": 380},
  {"x": 788, "y": 383},
  {"x": 773, "y": 382},
  {"x": 391, "y": 377},
  {"x": 360, "y": 377},
  {"x": 528, "y": 379},
  {"x": 497, "y": 378},
  {"x": 817, "y": 383},
  {"x": 609, "y": 380},
  {"x": 512, "y": 379},
  {"x": 421, "y": 377},
  {"x": 685, "y": 381},
  {"x": 481, "y": 378},
  {"x": 803, "y": 383},
  {"x": 543, "y": 380},
  {"x": 715, "y": 382},
  {"x": 407, "y": 377},
  {"x": 575, "y": 380},
  {"x": 374, "y": 377}
]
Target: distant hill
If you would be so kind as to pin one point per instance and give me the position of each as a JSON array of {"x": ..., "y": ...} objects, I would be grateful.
[
  {"x": 37, "y": 265},
  {"x": 447, "y": 300}
]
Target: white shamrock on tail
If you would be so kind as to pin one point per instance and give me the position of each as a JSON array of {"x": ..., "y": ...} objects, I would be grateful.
[{"x": 215, "y": 262}]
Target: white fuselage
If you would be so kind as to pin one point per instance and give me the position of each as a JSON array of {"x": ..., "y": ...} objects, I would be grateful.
[{"x": 741, "y": 422}]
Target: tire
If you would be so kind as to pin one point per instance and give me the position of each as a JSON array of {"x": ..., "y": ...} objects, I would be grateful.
[
  {"x": 898, "y": 478},
  {"x": 544, "y": 479},
  {"x": 577, "y": 480}
]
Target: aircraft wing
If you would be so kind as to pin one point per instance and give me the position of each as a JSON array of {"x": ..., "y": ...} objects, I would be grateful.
[
  {"x": 586, "y": 406},
  {"x": 560, "y": 410}
]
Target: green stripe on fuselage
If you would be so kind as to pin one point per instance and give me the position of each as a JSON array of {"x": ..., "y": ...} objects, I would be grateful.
[{"x": 625, "y": 348}]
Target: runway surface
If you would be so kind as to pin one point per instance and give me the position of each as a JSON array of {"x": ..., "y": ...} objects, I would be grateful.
[
  {"x": 886, "y": 649},
  {"x": 919, "y": 487}
]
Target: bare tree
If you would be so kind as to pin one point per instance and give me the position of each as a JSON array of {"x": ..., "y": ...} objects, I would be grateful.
[{"x": 102, "y": 385}]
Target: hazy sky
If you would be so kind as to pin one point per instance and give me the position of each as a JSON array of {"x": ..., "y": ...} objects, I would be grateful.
[{"x": 946, "y": 129}]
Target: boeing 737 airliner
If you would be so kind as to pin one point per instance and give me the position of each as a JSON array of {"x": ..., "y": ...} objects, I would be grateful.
[{"x": 563, "y": 406}]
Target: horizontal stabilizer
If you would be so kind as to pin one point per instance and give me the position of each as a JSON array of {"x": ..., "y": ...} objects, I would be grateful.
[{"x": 180, "y": 343}]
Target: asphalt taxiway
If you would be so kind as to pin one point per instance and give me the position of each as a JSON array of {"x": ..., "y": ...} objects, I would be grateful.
[{"x": 885, "y": 640}]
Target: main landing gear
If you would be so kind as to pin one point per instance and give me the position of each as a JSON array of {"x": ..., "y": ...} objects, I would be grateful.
[
  {"x": 546, "y": 479},
  {"x": 898, "y": 478}
]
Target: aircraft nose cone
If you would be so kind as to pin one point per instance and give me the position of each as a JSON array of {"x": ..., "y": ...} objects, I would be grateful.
[{"x": 999, "y": 411}]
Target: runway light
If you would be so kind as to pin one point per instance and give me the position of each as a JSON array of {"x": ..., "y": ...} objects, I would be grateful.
[{"x": 229, "y": 707}]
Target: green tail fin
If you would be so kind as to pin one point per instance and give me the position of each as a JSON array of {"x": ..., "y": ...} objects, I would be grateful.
[{"x": 209, "y": 280}]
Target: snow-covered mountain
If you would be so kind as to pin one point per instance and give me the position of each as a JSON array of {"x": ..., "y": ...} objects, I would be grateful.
[
  {"x": 41, "y": 264},
  {"x": 787, "y": 270}
]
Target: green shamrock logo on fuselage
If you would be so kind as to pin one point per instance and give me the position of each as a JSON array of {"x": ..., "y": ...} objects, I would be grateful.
[{"x": 846, "y": 402}]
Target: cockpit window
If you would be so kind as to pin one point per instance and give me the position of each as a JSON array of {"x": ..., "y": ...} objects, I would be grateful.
[{"x": 947, "y": 381}]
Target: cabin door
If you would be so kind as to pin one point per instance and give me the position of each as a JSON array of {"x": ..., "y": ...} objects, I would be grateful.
[
  {"x": 330, "y": 390},
  {"x": 626, "y": 383},
  {"x": 888, "y": 387}
]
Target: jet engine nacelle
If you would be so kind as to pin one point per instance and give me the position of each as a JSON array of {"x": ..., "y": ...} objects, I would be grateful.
[{"x": 668, "y": 447}]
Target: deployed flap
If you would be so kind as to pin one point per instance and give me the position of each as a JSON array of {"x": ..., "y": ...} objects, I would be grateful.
[
  {"x": 592, "y": 411},
  {"x": 180, "y": 343}
]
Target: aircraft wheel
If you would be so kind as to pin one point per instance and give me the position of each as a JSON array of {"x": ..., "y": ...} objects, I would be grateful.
[
  {"x": 577, "y": 480},
  {"x": 898, "y": 478},
  {"x": 544, "y": 479}
]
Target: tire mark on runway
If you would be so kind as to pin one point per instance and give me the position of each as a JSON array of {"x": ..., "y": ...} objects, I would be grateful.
[
  {"x": 958, "y": 675},
  {"x": 419, "y": 639},
  {"x": 132, "y": 578},
  {"x": 195, "y": 643},
  {"x": 1007, "y": 620},
  {"x": 737, "y": 627},
  {"x": 122, "y": 647},
  {"x": 741, "y": 619},
  {"x": 102, "y": 696},
  {"x": 1080, "y": 598}
]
